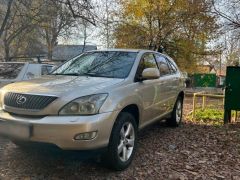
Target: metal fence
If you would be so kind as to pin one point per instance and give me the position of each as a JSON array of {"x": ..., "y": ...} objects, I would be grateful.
[{"x": 204, "y": 100}]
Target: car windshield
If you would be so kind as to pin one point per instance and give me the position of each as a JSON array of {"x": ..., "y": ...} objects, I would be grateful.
[
  {"x": 10, "y": 70},
  {"x": 112, "y": 64}
]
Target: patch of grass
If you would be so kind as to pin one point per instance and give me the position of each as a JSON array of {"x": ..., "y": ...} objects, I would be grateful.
[{"x": 209, "y": 116}]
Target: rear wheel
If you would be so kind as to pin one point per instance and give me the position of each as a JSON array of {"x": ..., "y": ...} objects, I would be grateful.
[
  {"x": 122, "y": 144},
  {"x": 176, "y": 116}
]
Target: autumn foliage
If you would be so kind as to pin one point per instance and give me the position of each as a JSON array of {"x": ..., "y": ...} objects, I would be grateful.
[{"x": 183, "y": 28}]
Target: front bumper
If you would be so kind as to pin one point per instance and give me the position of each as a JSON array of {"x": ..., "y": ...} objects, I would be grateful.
[{"x": 59, "y": 130}]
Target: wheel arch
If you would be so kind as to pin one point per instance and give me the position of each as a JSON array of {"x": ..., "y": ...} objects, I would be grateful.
[{"x": 134, "y": 110}]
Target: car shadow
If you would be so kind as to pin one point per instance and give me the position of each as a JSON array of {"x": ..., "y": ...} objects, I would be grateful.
[
  {"x": 45, "y": 160},
  {"x": 156, "y": 142}
]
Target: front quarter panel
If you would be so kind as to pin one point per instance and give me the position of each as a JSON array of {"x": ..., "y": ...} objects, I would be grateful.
[{"x": 121, "y": 97}]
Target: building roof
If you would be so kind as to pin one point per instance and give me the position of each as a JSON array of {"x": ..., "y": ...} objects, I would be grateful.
[{"x": 60, "y": 52}]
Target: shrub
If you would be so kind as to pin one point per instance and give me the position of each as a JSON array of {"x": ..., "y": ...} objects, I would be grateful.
[{"x": 209, "y": 116}]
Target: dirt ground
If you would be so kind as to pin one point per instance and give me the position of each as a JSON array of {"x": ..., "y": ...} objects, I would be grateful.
[{"x": 191, "y": 151}]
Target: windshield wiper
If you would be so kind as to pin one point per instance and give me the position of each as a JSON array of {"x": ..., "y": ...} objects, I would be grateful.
[
  {"x": 90, "y": 74},
  {"x": 96, "y": 75},
  {"x": 67, "y": 74}
]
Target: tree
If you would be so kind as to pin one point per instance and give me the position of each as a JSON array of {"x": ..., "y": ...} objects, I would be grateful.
[
  {"x": 181, "y": 27},
  {"x": 19, "y": 23},
  {"x": 229, "y": 18},
  {"x": 231, "y": 49},
  {"x": 42, "y": 19},
  {"x": 79, "y": 9},
  {"x": 6, "y": 17},
  {"x": 106, "y": 21},
  {"x": 229, "y": 11},
  {"x": 61, "y": 17},
  {"x": 56, "y": 21},
  {"x": 86, "y": 32}
]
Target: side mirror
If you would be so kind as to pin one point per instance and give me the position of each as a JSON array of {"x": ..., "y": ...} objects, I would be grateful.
[{"x": 150, "y": 73}]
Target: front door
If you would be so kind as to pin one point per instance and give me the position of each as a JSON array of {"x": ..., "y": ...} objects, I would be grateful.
[{"x": 148, "y": 89}]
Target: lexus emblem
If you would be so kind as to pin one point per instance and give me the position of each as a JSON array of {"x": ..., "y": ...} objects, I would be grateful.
[{"x": 21, "y": 100}]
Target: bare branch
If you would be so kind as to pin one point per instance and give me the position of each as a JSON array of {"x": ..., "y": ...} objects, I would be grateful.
[
  {"x": 7, "y": 15},
  {"x": 77, "y": 15},
  {"x": 233, "y": 21}
]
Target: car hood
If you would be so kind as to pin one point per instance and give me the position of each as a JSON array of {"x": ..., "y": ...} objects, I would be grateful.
[{"x": 60, "y": 85}]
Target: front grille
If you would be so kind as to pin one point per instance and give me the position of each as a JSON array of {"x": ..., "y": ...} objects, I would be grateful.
[{"x": 27, "y": 101}]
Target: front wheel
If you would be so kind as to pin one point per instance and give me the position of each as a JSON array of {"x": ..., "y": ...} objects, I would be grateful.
[
  {"x": 122, "y": 144},
  {"x": 176, "y": 116}
]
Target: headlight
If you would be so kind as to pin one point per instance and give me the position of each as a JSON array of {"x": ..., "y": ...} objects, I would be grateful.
[{"x": 86, "y": 105}]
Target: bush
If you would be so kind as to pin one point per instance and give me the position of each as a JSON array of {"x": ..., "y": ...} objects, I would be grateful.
[{"x": 209, "y": 116}]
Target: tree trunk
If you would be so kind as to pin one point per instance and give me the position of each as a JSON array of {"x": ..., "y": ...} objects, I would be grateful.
[
  {"x": 7, "y": 52},
  {"x": 6, "y": 48},
  {"x": 50, "y": 52},
  {"x": 7, "y": 15},
  {"x": 84, "y": 37}
]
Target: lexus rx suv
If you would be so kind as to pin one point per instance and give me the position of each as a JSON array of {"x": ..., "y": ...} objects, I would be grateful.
[{"x": 99, "y": 99}]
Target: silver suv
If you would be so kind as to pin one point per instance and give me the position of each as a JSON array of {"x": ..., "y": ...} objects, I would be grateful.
[{"x": 95, "y": 100}]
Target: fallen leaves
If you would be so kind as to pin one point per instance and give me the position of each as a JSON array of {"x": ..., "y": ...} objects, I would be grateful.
[{"x": 190, "y": 152}]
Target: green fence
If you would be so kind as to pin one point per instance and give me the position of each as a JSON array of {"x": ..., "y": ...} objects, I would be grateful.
[{"x": 205, "y": 80}]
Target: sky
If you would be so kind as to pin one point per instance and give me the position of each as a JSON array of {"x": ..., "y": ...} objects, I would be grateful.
[{"x": 94, "y": 37}]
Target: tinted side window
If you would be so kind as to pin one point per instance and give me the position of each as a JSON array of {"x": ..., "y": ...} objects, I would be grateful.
[
  {"x": 172, "y": 67},
  {"x": 163, "y": 65},
  {"x": 49, "y": 68},
  {"x": 33, "y": 71},
  {"x": 46, "y": 69},
  {"x": 147, "y": 61}
]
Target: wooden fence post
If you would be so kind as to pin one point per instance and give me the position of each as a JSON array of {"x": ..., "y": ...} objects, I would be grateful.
[
  {"x": 194, "y": 106},
  {"x": 203, "y": 102}
]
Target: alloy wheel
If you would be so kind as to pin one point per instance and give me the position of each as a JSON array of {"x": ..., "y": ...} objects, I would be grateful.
[
  {"x": 126, "y": 142},
  {"x": 178, "y": 112}
]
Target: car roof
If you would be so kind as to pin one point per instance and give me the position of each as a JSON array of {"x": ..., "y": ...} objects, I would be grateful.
[
  {"x": 123, "y": 50},
  {"x": 12, "y": 62},
  {"x": 17, "y": 62}
]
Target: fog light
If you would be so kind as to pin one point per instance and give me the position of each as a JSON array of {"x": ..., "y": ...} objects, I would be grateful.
[{"x": 86, "y": 136}]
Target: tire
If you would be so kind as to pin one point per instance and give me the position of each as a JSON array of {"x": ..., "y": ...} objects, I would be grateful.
[
  {"x": 122, "y": 144},
  {"x": 176, "y": 116}
]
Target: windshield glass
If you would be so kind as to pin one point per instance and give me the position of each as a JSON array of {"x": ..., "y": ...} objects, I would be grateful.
[
  {"x": 10, "y": 70},
  {"x": 112, "y": 64}
]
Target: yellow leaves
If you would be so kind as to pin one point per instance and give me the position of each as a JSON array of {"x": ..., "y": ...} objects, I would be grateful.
[
  {"x": 135, "y": 8},
  {"x": 182, "y": 27},
  {"x": 139, "y": 8},
  {"x": 130, "y": 36}
]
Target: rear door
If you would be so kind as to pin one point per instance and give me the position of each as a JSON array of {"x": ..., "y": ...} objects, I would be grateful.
[
  {"x": 166, "y": 97},
  {"x": 178, "y": 81}
]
